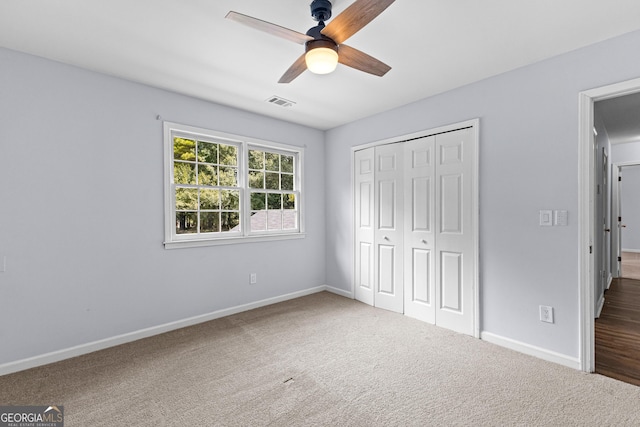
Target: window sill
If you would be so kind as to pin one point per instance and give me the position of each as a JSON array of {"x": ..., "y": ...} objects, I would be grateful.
[{"x": 195, "y": 243}]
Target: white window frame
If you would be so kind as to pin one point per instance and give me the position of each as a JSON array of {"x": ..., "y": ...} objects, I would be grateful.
[{"x": 245, "y": 235}]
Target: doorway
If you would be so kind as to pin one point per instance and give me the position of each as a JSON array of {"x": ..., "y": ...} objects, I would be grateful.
[
  {"x": 590, "y": 227},
  {"x": 628, "y": 213}
]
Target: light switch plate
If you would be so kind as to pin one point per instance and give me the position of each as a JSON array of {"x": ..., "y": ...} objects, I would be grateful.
[
  {"x": 546, "y": 218},
  {"x": 561, "y": 217}
]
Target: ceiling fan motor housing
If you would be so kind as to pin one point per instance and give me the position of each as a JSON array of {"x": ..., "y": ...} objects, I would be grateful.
[
  {"x": 319, "y": 39},
  {"x": 321, "y": 10},
  {"x": 314, "y": 44}
]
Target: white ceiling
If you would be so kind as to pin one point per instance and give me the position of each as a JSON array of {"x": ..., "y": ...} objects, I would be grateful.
[
  {"x": 188, "y": 47},
  {"x": 621, "y": 118}
]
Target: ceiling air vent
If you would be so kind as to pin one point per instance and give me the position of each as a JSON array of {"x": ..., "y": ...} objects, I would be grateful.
[{"x": 276, "y": 100}]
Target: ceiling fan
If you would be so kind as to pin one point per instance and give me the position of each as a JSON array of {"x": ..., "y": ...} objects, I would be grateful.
[{"x": 324, "y": 45}]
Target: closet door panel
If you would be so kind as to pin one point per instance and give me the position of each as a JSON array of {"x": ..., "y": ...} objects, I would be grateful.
[
  {"x": 455, "y": 252},
  {"x": 451, "y": 281},
  {"x": 419, "y": 214},
  {"x": 364, "y": 199},
  {"x": 388, "y": 234},
  {"x": 421, "y": 282},
  {"x": 450, "y": 202}
]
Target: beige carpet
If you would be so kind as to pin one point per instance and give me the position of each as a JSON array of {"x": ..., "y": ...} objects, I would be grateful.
[{"x": 320, "y": 360}]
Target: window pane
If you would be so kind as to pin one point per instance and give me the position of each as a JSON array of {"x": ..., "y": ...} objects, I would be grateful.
[
  {"x": 259, "y": 221},
  {"x": 274, "y": 220},
  {"x": 288, "y": 201},
  {"x": 209, "y": 199},
  {"x": 207, "y": 175},
  {"x": 258, "y": 201},
  {"x": 186, "y": 199},
  {"x": 228, "y": 176},
  {"x": 209, "y": 222},
  {"x": 256, "y": 159},
  {"x": 229, "y": 200},
  {"x": 274, "y": 201},
  {"x": 228, "y": 155},
  {"x": 184, "y": 149},
  {"x": 287, "y": 182},
  {"x": 230, "y": 221},
  {"x": 286, "y": 163},
  {"x": 272, "y": 181},
  {"x": 272, "y": 161},
  {"x": 184, "y": 173},
  {"x": 256, "y": 179},
  {"x": 289, "y": 220},
  {"x": 186, "y": 222},
  {"x": 207, "y": 152}
]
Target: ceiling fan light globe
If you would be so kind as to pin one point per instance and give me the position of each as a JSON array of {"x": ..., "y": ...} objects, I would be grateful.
[{"x": 321, "y": 60}]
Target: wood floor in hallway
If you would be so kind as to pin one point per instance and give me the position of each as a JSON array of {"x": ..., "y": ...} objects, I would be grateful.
[
  {"x": 630, "y": 265},
  {"x": 617, "y": 332}
]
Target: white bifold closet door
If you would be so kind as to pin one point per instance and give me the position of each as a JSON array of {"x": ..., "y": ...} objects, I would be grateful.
[
  {"x": 419, "y": 234},
  {"x": 388, "y": 228},
  {"x": 363, "y": 217},
  {"x": 379, "y": 231},
  {"x": 439, "y": 273},
  {"x": 415, "y": 250}
]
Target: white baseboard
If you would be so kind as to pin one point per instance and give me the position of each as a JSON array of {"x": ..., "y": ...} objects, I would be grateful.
[
  {"x": 338, "y": 291},
  {"x": 531, "y": 350},
  {"x": 609, "y": 281},
  {"x": 635, "y": 251},
  {"x": 600, "y": 306},
  {"x": 79, "y": 350}
]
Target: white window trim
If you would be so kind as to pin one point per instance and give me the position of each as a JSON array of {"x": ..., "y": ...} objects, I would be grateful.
[{"x": 173, "y": 241}]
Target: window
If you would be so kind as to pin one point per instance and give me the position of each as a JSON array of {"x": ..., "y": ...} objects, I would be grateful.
[
  {"x": 222, "y": 188},
  {"x": 271, "y": 189},
  {"x": 205, "y": 178}
]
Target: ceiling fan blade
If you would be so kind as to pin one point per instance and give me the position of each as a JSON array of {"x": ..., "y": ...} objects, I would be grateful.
[
  {"x": 268, "y": 27},
  {"x": 354, "y": 18},
  {"x": 361, "y": 61},
  {"x": 294, "y": 71}
]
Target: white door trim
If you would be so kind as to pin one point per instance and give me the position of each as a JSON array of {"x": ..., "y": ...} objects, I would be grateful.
[
  {"x": 615, "y": 214},
  {"x": 586, "y": 215},
  {"x": 475, "y": 125}
]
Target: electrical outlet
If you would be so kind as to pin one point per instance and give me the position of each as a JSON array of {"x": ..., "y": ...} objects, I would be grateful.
[
  {"x": 253, "y": 279},
  {"x": 546, "y": 314}
]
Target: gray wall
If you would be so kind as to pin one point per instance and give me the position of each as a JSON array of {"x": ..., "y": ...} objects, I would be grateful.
[
  {"x": 528, "y": 161},
  {"x": 629, "y": 152},
  {"x": 81, "y": 212}
]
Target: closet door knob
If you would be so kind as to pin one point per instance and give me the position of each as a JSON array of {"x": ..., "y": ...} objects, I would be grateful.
[
  {"x": 424, "y": 241},
  {"x": 386, "y": 238}
]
